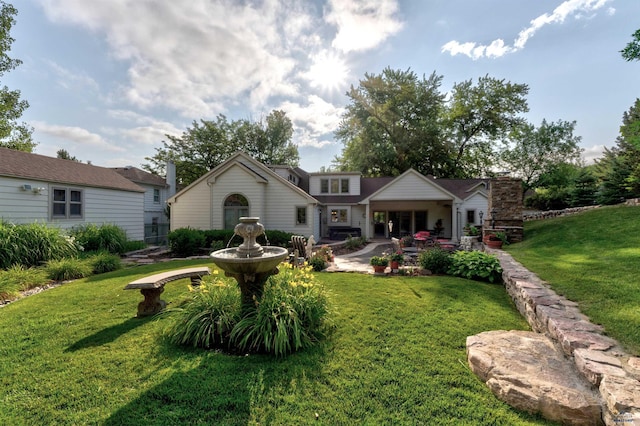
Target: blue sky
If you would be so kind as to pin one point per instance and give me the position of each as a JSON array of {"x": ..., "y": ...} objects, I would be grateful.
[{"x": 107, "y": 79}]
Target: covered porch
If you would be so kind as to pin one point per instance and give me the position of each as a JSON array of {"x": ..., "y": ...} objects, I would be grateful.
[{"x": 399, "y": 218}]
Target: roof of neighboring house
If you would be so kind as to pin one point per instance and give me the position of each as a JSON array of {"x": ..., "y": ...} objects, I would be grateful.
[
  {"x": 25, "y": 165},
  {"x": 136, "y": 175}
]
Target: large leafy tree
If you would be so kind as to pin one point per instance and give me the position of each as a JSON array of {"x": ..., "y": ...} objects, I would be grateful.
[
  {"x": 210, "y": 142},
  {"x": 392, "y": 124},
  {"x": 631, "y": 52},
  {"x": 531, "y": 153},
  {"x": 396, "y": 120},
  {"x": 13, "y": 134},
  {"x": 477, "y": 116}
]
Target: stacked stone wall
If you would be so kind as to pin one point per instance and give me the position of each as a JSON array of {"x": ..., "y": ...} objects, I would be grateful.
[{"x": 505, "y": 208}]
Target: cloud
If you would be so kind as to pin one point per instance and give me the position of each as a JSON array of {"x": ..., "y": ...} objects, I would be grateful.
[
  {"x": 593, "y": 153},
  {"x": 77, "y": 135},
  {"x": 313, "y": 120},
  {"x": 68, "y": 79},
  {"x": 497, "y": 48},
  {"x": 362, "y": 24}
]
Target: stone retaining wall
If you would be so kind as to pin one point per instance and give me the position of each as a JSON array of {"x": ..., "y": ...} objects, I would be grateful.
[
  {"x": 555, "y": 213},
  {"x": 600, "y": 359}
]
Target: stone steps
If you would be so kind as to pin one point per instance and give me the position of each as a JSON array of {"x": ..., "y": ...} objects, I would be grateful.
[{"x": 560, "y": 330}]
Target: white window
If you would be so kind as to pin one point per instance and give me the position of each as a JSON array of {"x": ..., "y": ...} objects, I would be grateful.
[
  {"x": 324, "y": 186},
  {"x": 344, "y": 186},
  {"x": 156, "y": 196},
  {"x": 67, "y": 203},
  {"x": 235, "y": 206},
  {"x": 339, "y": 216}
]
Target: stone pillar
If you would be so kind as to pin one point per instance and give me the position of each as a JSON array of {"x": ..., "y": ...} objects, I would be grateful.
[{"x": 505, "y": 208}]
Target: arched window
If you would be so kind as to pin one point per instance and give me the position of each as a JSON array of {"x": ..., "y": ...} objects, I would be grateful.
[{"x": 235, "y": 206}]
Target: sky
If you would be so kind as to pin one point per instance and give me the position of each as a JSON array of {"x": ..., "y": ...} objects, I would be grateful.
[{"x": 107, "y": 80}]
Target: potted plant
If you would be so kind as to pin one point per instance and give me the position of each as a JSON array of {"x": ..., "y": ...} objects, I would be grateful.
[
  {"x": 471, "y": 231},
  {"x": 496, "y": 240},
  {"x": 396, "y": 260},
  {"x": 379, "y": 264}
]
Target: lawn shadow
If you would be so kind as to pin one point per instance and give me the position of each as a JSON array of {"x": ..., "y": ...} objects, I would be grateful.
[
  {"x": 222, "y": 389},
  {"x": 107, "y": 335}
]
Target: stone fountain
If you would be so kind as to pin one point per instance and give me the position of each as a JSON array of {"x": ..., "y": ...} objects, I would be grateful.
[{"x": 250, "y": 263}]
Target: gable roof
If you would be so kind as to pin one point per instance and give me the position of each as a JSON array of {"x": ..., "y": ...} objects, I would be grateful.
[
  {"x": 462, "y": 188},
  {"x": 261, "y": 173},
  {"x": 410, "y": 173},
  {"x": 24, "y": 165},
  {"x": 136, "y": 175}
]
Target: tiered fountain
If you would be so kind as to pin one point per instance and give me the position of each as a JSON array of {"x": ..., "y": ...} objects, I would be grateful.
[{"x": 250, "y": 263}]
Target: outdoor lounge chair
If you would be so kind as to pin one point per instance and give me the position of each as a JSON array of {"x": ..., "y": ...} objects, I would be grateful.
[{"x": 301, "y": 249}]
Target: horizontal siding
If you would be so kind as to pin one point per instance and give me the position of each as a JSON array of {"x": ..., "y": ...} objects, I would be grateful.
[
  {"x": 192, "y": 208},
  {"x": 122, "y": 208},
  {"x": 237, "y": 180},
  {"x": 412, "y": 187},
  {"x": 281, "y": 209}
]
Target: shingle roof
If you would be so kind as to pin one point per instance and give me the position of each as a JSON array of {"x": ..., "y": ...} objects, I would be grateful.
[
  {"x": 140, "y": 176},
  {"x": 39, "y": 167},
  {"x": 461, "y": 188}
]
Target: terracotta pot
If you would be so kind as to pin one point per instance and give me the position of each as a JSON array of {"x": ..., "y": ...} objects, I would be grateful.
[
  {"x": 378, "y": 269},
  {"x": 493, "y": 243},
  {"x": 395, "y": 264}
]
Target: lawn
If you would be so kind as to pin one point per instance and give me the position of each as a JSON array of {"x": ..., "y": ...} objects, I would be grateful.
[
  {"x": 591, "y": 258},
  {"x": 75, "y": 354}
]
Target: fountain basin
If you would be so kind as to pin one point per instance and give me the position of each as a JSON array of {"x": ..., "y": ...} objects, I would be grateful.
[{"x": 228, "y": 260}]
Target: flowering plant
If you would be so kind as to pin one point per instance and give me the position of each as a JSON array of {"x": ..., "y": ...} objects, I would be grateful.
[
  {"x": 379, "y": 261},
  {"x": 397, "y": 257}
]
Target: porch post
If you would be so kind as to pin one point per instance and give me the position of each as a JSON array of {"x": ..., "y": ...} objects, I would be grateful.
[
  {"x": 455, "y": 211},
  {"x": 367, "y": 222}
]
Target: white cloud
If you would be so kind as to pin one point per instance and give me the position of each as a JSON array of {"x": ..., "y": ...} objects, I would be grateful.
[
  {"x": 497, "y": 48},
  {"x": 593, "y": 153},
  {"x": 313, "y": 120},
  {"x": 68, "y": 79},
  {"x": 78, "y": 135},
  {"x": 362, "y": 24}
]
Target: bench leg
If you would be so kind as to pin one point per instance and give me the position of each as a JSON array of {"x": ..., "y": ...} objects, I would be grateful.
[{"x": 151, "y": 304}]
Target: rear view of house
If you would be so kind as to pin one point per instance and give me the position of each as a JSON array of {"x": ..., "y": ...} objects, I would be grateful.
[{"x": 66, "y": 193}]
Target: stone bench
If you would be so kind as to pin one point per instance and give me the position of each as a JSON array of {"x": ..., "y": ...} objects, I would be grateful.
[{"x": 153, "y": 285}]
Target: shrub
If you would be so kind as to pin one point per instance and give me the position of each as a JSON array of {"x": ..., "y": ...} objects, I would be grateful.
[
  {"x": 353, "y": 243},
  {"x": 278, "y": 238},
  {"x": 185, "y": 242},
  {"x": 206, "y": 319},
  {"x": 476, "y": 265},
  {"x": 291, "y": 315},
  {"x": 436, "y": 260},
  {"x": 67, "y": 269},
  {"x": 104, "y": 262},
  {"x": 18, "y": 278},
  {"x": 32, "y": 244},
  {"x": 217, "y": 245},
  {"x": 379, "y": 261},
  {"x": 134, "y": 245},
  {"x": 106, "y": 237},
  {"x": 317, "y": 262}
]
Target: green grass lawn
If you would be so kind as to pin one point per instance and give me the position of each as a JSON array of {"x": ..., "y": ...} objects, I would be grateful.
[
  {"x": 76, "y": 355},
  {"x": 592, "y": 258}
]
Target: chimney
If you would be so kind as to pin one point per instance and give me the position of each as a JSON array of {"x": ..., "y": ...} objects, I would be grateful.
[{"x": 171, "y": 178}]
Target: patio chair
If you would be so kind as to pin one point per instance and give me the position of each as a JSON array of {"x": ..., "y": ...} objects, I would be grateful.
[{"x": 300, "y": 252}]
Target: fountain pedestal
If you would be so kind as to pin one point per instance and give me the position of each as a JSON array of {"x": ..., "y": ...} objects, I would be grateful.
[{"x": 250, "y": 264}]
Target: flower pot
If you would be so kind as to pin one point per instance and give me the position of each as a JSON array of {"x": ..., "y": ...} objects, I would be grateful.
[
  {"x": 496, "y": 244},
  {"x": 395, "y": 265},
  {"x": 379, "y": 269}
]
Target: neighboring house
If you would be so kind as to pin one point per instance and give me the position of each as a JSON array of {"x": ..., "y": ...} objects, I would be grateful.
[
  {"x": 291, "y": 200},
  {"x": 156, "y": 222},
  {"x": 65, "y": 193}
]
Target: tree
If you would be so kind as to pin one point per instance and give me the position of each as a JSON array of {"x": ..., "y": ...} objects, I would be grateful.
[
  {"x": 64, "y": 155},
  {"x": 397, "y": 121},
  {"x": 620, "y": 166},
  {"x": 632, "y": 51},
  {"x": 210, "y": 142},
  {"x": 13, "y": 135},
  {"x": 477, "y": 116},
  {"x": 532, "y": 152},
  {"x": 391, "y": 124}
]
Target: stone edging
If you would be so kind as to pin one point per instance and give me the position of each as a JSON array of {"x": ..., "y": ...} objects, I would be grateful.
[{"x": 601, "y": 360}]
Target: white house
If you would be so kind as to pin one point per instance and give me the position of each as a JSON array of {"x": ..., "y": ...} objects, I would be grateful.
[
  {"x": 334, "y": 204},
  {"x": 65, "y": 193}
]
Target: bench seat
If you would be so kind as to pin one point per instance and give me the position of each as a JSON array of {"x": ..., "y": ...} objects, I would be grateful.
[{"x": 152, "y": 286}]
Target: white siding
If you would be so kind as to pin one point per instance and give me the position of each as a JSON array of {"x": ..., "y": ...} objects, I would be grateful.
[
  {"x": 412, "y": 187},
  {"x": 280, "y": 209},
  {"x": 477, "y": 202},
  {"x": 151, "y": 208},
  {"x": 236, "y": 180},
  {"x": 124, "y": 209},
  {"x": 192, "y": 208}
]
